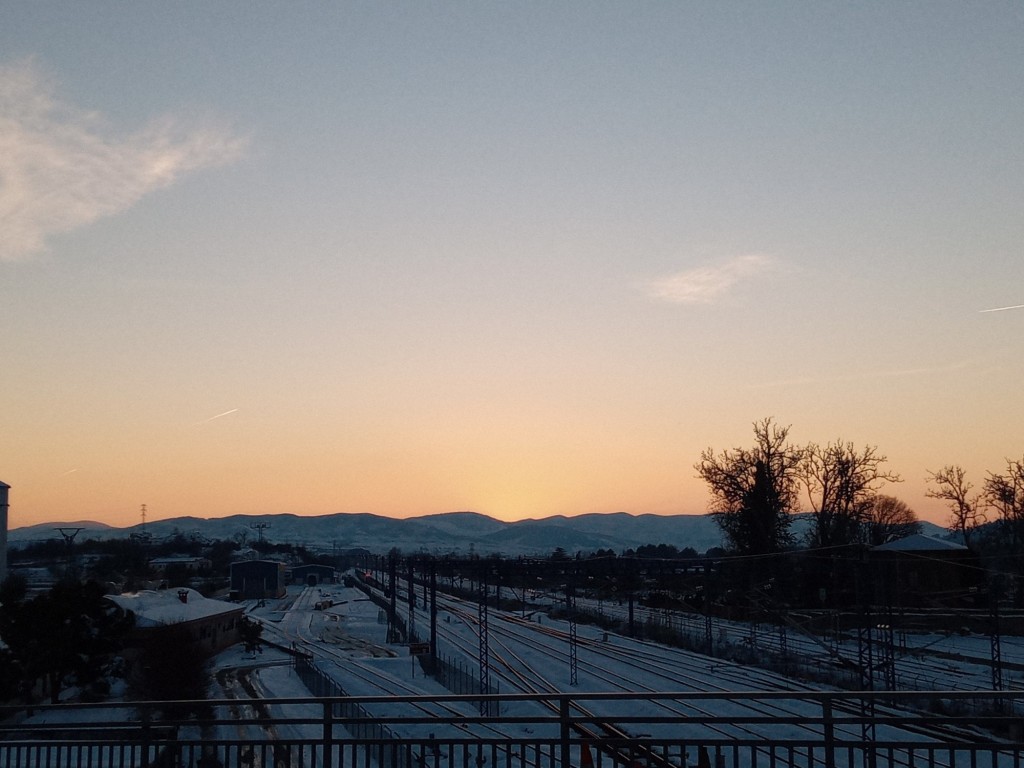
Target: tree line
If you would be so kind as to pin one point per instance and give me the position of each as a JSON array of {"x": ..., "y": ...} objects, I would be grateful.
[{"x": 755, "y": 491}]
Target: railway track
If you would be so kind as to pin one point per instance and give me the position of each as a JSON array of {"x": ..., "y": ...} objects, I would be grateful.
[
  {"x": 680, "y": 671},
  {"x": 523, "y": 653},
  {"x": 372, "y": 681},
  {"x": 923, "y": 662}
]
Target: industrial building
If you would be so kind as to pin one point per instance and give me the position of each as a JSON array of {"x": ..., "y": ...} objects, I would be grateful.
[
  {"x": 258, "y": 579},
  {"x": 313, "y": 574},
  {"x": 922, "y": 570}
]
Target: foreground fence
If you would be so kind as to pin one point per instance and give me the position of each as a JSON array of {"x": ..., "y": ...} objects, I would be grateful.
[{"x": 664, "y": 730}]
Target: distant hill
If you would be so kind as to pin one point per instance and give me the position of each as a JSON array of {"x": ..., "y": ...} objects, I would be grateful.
[
  {"x": 451, "y": 532},
  {"x": 89, "y": 529}
]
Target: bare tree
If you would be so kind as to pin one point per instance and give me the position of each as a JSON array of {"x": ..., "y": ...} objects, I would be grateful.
[
  {"x": 1005, "y": 494},
  {"x": 887, "y": 519},
  {"x": 840, "y": 481},
  {"x": 754, "y": 490},
  {"x": 951, "y": 485}
]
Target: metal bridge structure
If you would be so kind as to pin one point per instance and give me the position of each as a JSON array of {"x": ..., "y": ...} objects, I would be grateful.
[{"x": 662, "y": 730}]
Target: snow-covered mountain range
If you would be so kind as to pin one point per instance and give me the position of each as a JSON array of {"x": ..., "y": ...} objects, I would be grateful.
[{"x": 450, "y": 532}]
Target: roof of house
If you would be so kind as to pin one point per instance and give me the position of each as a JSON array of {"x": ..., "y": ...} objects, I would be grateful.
[
  {"x": 153, "y": 608},
  {"x": 919, "y": 542},
  {"x": 257, "y": 564}
]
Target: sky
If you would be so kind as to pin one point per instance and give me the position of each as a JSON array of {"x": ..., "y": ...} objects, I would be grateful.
[{"x": 519, "y": 258}]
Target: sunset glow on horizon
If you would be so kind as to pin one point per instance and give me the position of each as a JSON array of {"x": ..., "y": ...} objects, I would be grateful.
[{"x": 519, "y": 259}]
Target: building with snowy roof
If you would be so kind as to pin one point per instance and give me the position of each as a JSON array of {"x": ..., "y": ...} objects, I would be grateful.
[
  {"x": 210, "y": 625},
  {"x": 920, "y": 542},
  {"x": 921, "y": 570},
  {"x": 185, "y": 563}
]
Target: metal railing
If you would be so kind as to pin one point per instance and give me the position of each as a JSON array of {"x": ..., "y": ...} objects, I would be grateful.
[{"x": 663, "y": 730}]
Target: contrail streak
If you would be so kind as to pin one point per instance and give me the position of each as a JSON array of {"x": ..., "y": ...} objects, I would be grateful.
[
  {"x": 1002, "y": 309},
  {"x": 219, "y": 415},
  {"x": 69, "y": 472}
]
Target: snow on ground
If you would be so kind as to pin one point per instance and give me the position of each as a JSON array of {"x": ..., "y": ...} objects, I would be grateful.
[
  {"x": 354, "y": 628},
  {"x": 350, "y": 640}
]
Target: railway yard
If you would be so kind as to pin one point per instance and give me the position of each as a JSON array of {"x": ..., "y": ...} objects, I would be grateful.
[
  {"x": 335, "y": 684},
  {"x": 529, "y": 652}
]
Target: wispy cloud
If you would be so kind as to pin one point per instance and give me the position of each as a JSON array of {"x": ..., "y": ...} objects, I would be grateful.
[
  {"x": 892, "y": 373},
  {"x": 62, "y": 167},
  {"x": 703, "y": 285},
  {"x": 218, "y": 416}
]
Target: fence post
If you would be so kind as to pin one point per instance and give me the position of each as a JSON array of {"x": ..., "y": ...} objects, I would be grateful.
[
  {"x": 146, "y": 715},
  {"x": 828, "y": 732},
  {"x": 328, "y": 760},
  {"x": 563, "y": 722}
]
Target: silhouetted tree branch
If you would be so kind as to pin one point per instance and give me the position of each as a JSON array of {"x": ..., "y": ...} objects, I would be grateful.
[
  {"x": 840, "y": 482},
  {"x": 950, "y": 485},
  {"x": 887, "y": 519},
  {"x": 754, "y": 490}
]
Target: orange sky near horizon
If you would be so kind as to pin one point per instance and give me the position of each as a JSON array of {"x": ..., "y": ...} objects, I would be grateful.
[{"x": 504, "y": 487}]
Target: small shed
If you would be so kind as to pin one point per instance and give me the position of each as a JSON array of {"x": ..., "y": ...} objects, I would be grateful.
[
  {"x": 313, "y": 574},
  {"x": 921, "y": 570},
  {"x": 258, "y": 579}
]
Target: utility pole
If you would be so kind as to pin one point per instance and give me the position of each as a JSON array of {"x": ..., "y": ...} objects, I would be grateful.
[
  {"x": 709, "y": 640},
  {"x": 393, "y": 604},
  {"x": 570, "y": 608},
  {"x": 995, "y": 634},
  {"x": 484, "y": 642},
  {"x": 4, "y": 488},
  {"x": 865, "y": 649},
  {"x": 259, "y": 528},
  {"x": 69, "y": 540},
  {"x": 887, "y": 639},
  {"x": 411, "y": 622},
  {"x": 433, "y": 615}
]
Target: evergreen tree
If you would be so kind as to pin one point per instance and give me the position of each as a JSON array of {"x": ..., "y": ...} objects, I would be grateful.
[{"x": 66, "y": 635}]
